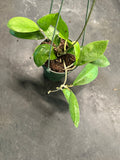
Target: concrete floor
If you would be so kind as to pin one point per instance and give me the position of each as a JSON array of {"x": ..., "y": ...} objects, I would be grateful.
[{"x": 37, "y": 126}]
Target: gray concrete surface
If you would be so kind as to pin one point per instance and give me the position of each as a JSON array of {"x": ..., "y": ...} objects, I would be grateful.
[{"x": 37, "y": 126}]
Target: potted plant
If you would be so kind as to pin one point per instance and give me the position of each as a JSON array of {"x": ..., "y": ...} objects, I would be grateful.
[{"x": 59, "y": 55}]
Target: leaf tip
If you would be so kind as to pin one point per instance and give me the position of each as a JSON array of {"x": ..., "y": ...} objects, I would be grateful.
[{"x": 76, "y": 124}]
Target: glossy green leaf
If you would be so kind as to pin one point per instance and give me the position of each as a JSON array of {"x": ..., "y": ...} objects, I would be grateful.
[
  {"x": 32, "y": 35},
  {"x": 77, "y": 53},
  {"x": 51, "y": 19},
  {"x": 45, "y": 21},
  {"x": 71, "y": 50},
  {"x": 41, "y": 54},
  {"x": 102, "y": 61},
  {"x": 92, "y": 51},
  {"x": 57, "y": 40},
  {"x": 74, "y": 109},
  {"x": 22, "y": 25},
  {"x": 49, "y": 32},
  {"x": 73, "y": 106},
  {"x": 87, "y": 75},
  {"x": 69, "y": 42},
  {"x": 66, "y": 93}
]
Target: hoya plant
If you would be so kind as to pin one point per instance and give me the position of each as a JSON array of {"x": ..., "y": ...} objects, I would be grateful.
[{"x": 57, "y": 47}]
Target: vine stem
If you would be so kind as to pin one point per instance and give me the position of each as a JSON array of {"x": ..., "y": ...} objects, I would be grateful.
[
  {"x": 53, "y": 91},
  {"x": 65, "y": 73},
  {"x": 54, "y": 33}
]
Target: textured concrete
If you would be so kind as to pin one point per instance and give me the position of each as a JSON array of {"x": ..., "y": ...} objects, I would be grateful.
[{"x": 37, "y": 126}]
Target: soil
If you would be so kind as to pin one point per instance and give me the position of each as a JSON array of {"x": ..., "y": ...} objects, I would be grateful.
[{"x": 57, "y": 64}]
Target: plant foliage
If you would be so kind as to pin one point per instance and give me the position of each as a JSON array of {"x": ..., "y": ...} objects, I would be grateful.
[
  {"x": 73, "y": 106},
  {"x": 91, "y": 54}
]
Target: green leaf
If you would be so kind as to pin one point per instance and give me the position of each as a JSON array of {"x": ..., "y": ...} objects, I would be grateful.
[
  {"x": 51, "y": 19},
  {"x": 22, "y": 24},
  {"x": 41, "y": 54},
  {"x": 73, "y": 106},
  {"x": 66, "y": 93},
  {"x": 49, "y": 32},
  {"x": 77, "y": 53},
  {"x": 92, "y": 51},
  {"x": 71, "y": 50},
  {"x": 45, "y": 21},
  {"x": 74, "y": 109},
  {"x": 32, "y": 35},
  {"x": 69, "y": 42},
  {"x": 87, "y": 75},
  {"x": 102, "y": 61},
  {"x": 57, "y": 40}
]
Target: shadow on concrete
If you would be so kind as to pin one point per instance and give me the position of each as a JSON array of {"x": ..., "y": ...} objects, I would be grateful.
[{"x": 36, "y": 93}]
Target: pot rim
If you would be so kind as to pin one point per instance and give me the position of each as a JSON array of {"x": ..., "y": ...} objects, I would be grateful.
[{"x": 60, "y": 73}]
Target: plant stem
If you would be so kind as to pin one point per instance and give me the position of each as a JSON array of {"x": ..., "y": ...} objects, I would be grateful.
[
  {"x": 65, "y": 46},
  {"x": 51, "y": 6},
  {"x": 70, "y": 66},
  {"x": 53, "y": 91},
  {"x": 70, "y": 69},
  {"x": 85, "y": 22},
  {"x": 65, "y": 73},
  {"x": 54, "y": 33}
]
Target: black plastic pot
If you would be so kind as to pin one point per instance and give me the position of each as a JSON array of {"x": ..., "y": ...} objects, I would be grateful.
[{"x": 52, "y": 75}]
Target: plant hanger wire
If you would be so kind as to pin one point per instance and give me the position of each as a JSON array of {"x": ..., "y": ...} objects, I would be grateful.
[
  {"x": 87, "y": 17},
  {"x": 85, "y": 22},
  {"x": 54, "y": 30},
  {"x": 51, "y": 5}
]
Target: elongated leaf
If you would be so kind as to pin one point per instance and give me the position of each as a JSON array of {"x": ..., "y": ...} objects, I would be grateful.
[
  {"x": 87, "y": 75},
  {"x": 22, "y": 24},
  {"x": 92, "y": 51},
  {"x": 74, "y": 109},
  {"x": 102, "y": 61},
  {"x": 77, "y": 53},
  {"x": 73, "y": 106},
  {"x": 41, "y": 54},
  {"x": 51, "y": 19},
  {"x": 32, "y": 35},
  {"x": 66, "y": 93}
]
